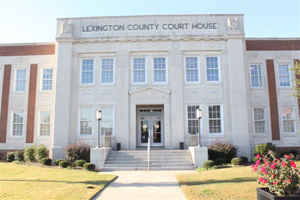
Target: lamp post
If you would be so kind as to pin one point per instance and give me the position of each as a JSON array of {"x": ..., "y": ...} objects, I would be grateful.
[
  {"x": 199, "y": 116},
  {"x": 99, "y": 118}
]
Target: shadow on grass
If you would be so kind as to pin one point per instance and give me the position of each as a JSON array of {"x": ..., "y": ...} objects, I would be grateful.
[
  {"x": 100, "y": 182},
  {"x": 212, "y": 181}
]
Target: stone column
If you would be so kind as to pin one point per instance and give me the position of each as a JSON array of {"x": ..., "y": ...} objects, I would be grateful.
[
  {"x": 238, "y": 95},
  {"x": 62, "y": 100}
]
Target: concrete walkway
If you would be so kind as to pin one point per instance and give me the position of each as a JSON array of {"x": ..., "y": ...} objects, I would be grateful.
[{"x": 143, "y": 185}]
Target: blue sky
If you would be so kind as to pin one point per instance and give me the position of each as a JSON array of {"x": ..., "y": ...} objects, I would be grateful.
[{"x": 35, "y": 20}]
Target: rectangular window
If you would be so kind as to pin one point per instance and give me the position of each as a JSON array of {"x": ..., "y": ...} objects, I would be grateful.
[
  {"x": 256, "y": 77},
  {"x": 193, "y": 122},
  {"x": 284, "y": 76},
  {"x": 288, "y": 120},
  {"x": 107, "y": 70},
  {"x": 47, "y": 79},
  {"x": 18, "y": 124},
  {"x": 86, "y": 121},
  {"x": 44, "y": 123},
  {"x": 259, "y": 120},
  {"x": 107, "y": 122},
  {"x": 139, "y": 70},
  {"x": 191, "y": 70},
  {"x": 87, "y": 71},
  {"x": 160, "y": 70},
  {"x": 212, "y": 69},
  {"x": 215, "y": 119},
  {"x": 20, "y": 80}
]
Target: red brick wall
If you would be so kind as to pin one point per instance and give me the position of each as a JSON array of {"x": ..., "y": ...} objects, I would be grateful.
[
  {"x": 4, "y": 103},
  {"x": 272, "y": 45},
  {"x": 27, "y": 50},
  {"x": 273, "y": 100}
]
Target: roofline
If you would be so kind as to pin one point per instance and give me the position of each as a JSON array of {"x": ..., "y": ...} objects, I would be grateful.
[
  {"x": 28, "y": 44},
  {"x": 136, "y": 16}
]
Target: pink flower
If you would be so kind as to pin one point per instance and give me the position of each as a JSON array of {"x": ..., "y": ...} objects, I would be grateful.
[
  {"x": 275, "y": 183},
  {"x": 273, "y": 166},
  {"x": 257, "y": 162},
  {"x": 288, "y": 157},
  {"x": 263, "y": 170},
  {"x": 293, "y": 164},
  {"x": 254, "y": 167},
  {"x": 262, "y": 180},
  {"x": 258, "y": 156},
  {"x": 283, "y": 164}
]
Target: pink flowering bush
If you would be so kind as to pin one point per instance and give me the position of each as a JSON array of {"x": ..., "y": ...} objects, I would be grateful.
[{"x": 279, "y": 175}]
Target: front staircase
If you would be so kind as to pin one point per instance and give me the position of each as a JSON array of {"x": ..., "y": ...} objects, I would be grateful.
[{"x": 159, "y": 160}]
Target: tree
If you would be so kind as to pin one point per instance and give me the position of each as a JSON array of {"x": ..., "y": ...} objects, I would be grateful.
[{"x": 296, "y": 69}]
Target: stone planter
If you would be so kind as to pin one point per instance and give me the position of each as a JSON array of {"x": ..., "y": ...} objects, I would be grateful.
[{"x": 263, "y": 194}]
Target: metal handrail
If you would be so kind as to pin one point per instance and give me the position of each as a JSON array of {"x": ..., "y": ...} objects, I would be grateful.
[{"x": 148, "y": 152}]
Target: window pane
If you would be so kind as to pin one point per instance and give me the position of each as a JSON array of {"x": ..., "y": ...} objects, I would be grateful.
[
  {"x": 87, "y": 71},
  {"x": 18, "y": 122},
  {"x": 44, "y": 123},
  {"x": 20, "y": 80},
  {"x": 214, "y": 115},
  {"x": 212, "y": 69},
  {"x": 86, "y": 121},
  {"x": 193, "y": 122},
  {"x": 139, "y": 72},
  {"x": 259, "y": 120},
  {"x": 107, "y": 75},
  {"x": 107, "y": 121},
  {"x": 284, "y": 76},
  {"x": 256, "y": 76},
  {"x": 160, "y": 69},
  {"x": 288, "y": 120},
  {"x": 47, "y": 79},
  {"x": 192, "y": 73}
]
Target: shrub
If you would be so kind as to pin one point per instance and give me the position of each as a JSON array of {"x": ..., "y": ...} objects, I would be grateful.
[
  {"x": 18, "y": 162},
  {"x": 244, "y": 159},
  {"x": 63, "y": 164},
  {"x": 19, "y": 155},
  {"x": 222, "y": 150},
  {"x": 10, "y": 156},
  {"x": 89, "y": 166},
  {"x": 208, "y": 164},
  {"x": 220, "y": 161},
  {"x": 79, "y": 163},
  {"x": 236, "y": 161},
  {"x": 57, "y": 162},
  {"x": 46, "y": 161},
  {"x": 41, "y": 152},
  {"x": 279, "y": 175},
  {"x": 263, "y": 149},
  {"x": 29, "y": 153},
  {"x": 78, "y": 152}
]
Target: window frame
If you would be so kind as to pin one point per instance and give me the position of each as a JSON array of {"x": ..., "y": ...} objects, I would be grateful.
[
  {"x": 262, "y": 76},
  {"x": 294, "y": 120},
  {"x": 221, "y": 118},
  {"x": 153, "y": 71},
  {"x": 219, "y": 68},
  {"x": 112, "y": 106},
  {"x": 265, "y": 120},
  {"x": 15, "y": 80},
  {"x": 132, "y": 71},
  {"x": 39, "y": 128},
  {"x": 12, "y": 123},
  {"x": 101, "y": 70},
  {"x": 289, "y": 72},
  {"x": 187, "y": 120},
  {"x": 80, "y": 74},
  {"x": 42, "y": 79},
  {"x": 93, "y": 121},
  {"x": 198, "y": 68}
]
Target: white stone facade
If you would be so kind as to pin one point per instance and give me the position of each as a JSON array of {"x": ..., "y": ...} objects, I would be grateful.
[{"x": 173, "y": 38}]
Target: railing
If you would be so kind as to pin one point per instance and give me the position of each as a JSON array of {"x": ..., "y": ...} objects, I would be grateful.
[{"x": 148, "y": 152}]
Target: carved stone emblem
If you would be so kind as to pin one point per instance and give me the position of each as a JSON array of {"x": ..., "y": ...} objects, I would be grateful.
[{"x": 234, "y": 23}]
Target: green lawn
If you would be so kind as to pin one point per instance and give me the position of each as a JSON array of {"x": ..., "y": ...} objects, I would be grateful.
[
  {"x": 236, "y": 183},
  {"x": 48, "y": 183}
]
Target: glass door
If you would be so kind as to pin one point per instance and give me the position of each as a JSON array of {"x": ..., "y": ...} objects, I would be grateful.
[
  {"x": 144, "y": 131},
  {"x": 156, "y": 132},
  {"x": 150, "y": 126}
]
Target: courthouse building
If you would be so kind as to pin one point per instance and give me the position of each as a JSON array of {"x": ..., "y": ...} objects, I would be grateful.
[{"x": 148, "y": 74}]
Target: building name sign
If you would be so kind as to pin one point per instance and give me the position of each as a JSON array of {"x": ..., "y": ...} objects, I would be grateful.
[{"x": 149, "y": 27}]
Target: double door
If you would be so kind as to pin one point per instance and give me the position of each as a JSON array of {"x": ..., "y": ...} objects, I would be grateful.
[{"x": 150, "y": 126}]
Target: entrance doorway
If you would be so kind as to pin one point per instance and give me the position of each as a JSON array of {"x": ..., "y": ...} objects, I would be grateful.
[{"x": 150, "y": 124}]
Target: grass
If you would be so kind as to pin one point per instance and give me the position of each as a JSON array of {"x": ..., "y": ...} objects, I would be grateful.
[
  {"x": 34, "y": 182},
  {"x": 236, "y": 183}
]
